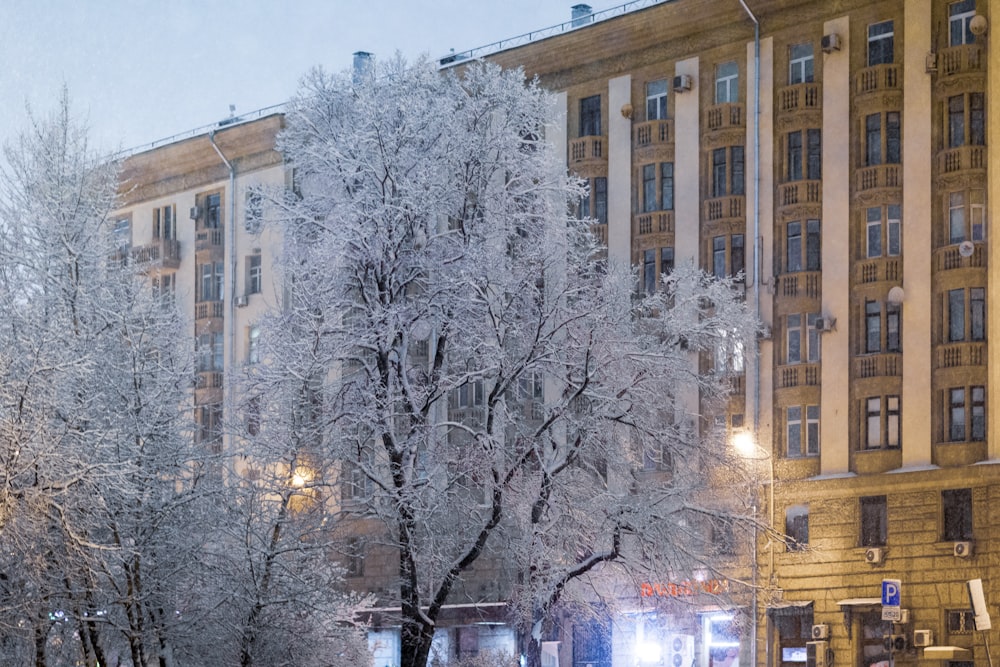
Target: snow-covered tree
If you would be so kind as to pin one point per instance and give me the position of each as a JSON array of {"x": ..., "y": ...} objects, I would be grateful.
[{"x": 494, "y": 392}]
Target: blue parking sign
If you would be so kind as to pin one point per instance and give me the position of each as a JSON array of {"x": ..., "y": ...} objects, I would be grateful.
[{"x": 891, "y": 592}]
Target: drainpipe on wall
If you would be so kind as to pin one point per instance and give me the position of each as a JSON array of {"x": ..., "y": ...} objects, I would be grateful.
[
  {"x": 756, "y": 298},
  {"x": 231, "y": 311}
]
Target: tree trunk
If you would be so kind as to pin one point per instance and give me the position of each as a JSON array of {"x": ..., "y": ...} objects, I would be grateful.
[
  {"x": 416, "y": 638},
  {"x": 41, "y": 637}
]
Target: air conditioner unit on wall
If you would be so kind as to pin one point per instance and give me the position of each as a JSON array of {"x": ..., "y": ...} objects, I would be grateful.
[
  {"x": 830, "y": 43},
  {"x": 923, "y": 638},
  {"x": 962, "y": 549},
  {"x": 682, "y": 83},
  {"x": 818, "y": 654},
  {"x": 894, "y": 643},
  {"x": 874, "y": 555},
  {"x": 195, "y": 212},
  {"x": 820, "y": 631},
  {"x": 826, "y": 323}
]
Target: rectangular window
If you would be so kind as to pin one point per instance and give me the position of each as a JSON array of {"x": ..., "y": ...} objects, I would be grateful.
[
  {"x": 794, "y": 430},
  {"x": 164, "y": 226},
  {"x": 978, "y": 410},
  {"x": 893, "y": 138},
  {"x": 601, "y": 199},
  {"x": 737, "y": 255},
  {"x": 738, "y": 178},
  {"x": 956, "y": 315},
  {"x": 797, "y": 526},
  {"x": 977, "y": 313},
  {"x": 813, "y": 251},
  {"x": 956, "y": 415},
  {"x": 874, "y": 521},
  {"x": 892, "y": 416},
  {"x": 812, "y": 338},
  {"x": 956, "y": 217},
  {"x": 793, "y": 339},
  {"x": 727, "y": 79},
  {"x": 719, "y": 172},
  {"x": 656, "y": 100},
  {"x": 253, "y": 211},
  {"x": 648, "y": 188},
  {"x": 959, "y": 17},
  {"x": 874, "y": 232},
  {"x": 590, "y": 116},
  {"x": 253, "y": 344},
  {"x": 812, "y": 430},
  {"x": 719, "y": 256},
  {"x": 977, "y": 119},
  {"x": 800, "y": 63},
  {"x": 873, "y": 423},
  {"x": 893, "y": 230},
  {"x": 667, "y": 186},
  {"x": 977, "y": 214},
  {"x": 666, "y": 260},
  {"x": 122, "y": 233},
  {"x": 585, "y": 206},
  {"x": 213, "y": 211},
  {"x": 207, "y": 283},
  {"x": 793, "y": 247},
  {"x": 956, "y": 514},
  {"x": 795, "y": 155},
  {"x": 254, "y": 276},
  {"x": 649, "y": 270},
  {"x": 956, "y": 121},
  {"x": 873, "y": 139},
  {"x": 893, "y": 339},
  {"x": 873, "y": 326},
  {"x": 814, "y": 154},
  {"x": 880, "y": 38}
]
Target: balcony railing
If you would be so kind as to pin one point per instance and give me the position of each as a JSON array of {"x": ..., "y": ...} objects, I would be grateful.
[
  {"x": 799, "y": 97},
  {"x": 800, "y": 192},
  {"x": 961, "y": 158},
  {"x": 879, "y": 176},
  {"x": 207, "y": 239},
  {"x": 798, "y": 375},
  {"x": 724, "y": 207},
  {"x": 656, "y": 221},
  {"x": 209, "y": 380},
  {"x": 654, "y": 132},
  {"x": 723, "y": 116},
  {"x": 167, "y": 251},
  {"x": 878, "y": 365},
  {"x": 878, "y": 269},
  {"x": 877, "y": 78},
  {"x": 586, "y": 148},
  {"x": 950, "y": 355},
  {"x": 208, "y": 309},
  {"x": 601, "y": 232},
  {"x": 800, "y": 284},
  {"x": 950, "y": 257},
  {"x": 963, "y": 59}
]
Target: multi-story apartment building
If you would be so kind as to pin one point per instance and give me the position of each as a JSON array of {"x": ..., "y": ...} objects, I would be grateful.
[
  {"x": 833, "y": 154},
  {"x": 836, "y": 154}
]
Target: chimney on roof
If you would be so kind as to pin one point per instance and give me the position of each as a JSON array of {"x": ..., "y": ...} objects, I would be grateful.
[
  {"x": 582, "y": 15},
  {"x": 362, "y": 64}
]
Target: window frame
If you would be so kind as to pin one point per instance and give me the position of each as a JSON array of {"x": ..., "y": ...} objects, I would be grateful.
[
  {"x": 959, "y": 19},
  {"x": 956, "y": 515},
  {"x": 800, "y": 67},
  {"x": 656, "y": 101},
  {"x": 873, "y": 514},
  {"x": 590, "y": 116},
  {"x": 648, "y": 185},
  {"x": 881, "y": 43},
  {"x": 727, "y": 82}
]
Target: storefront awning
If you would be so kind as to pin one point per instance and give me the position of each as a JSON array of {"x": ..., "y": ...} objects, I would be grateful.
[
  {"x": 860, "y": 602},
  {"x": 788, "y": 608},
  {"x": 946, "y": 653}
]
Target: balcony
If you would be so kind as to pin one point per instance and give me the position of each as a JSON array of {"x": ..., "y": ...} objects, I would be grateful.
[
  {"x": 877, "y": 269},
  {"x": 208, "y": 309},
  {"x": 878, "y": 79},
  {"x": 209, "y": 380},
  {"x": 952, "y": 355},
  {"x": 800, "y": 97},
  {"x": 961, "y": 158},
  {"x": 208, "y": 239},
  {"x": 798, "y": 375},
  {"x": 964, "y": 59},
  {"x": 165, "y": 252},
  {"x": 878, "y": 365},
  {"x": 725, "y": 116},
  {"x": 808, "y": 284},
  {"x": 949, "y": 258},
  {"x": 721, "y": 208},
  {"x": 653, "y": 222},
  {"x": 653, "y": 133},
  {"x": 601, "y": 232},
  {"x": 800, "y": 192},
  {"x": 587, "y": 149},
  {"x": 879, "y": 176}
]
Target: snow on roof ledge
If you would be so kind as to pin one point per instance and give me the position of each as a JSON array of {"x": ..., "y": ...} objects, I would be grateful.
[{"x": 945, "y": 653}]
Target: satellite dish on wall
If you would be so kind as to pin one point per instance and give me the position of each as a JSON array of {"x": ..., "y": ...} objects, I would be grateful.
[{"x": 966, "y": 248}]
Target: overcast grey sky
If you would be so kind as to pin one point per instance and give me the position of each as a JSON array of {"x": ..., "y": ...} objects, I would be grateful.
[{"x": 142, "y": 70}]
